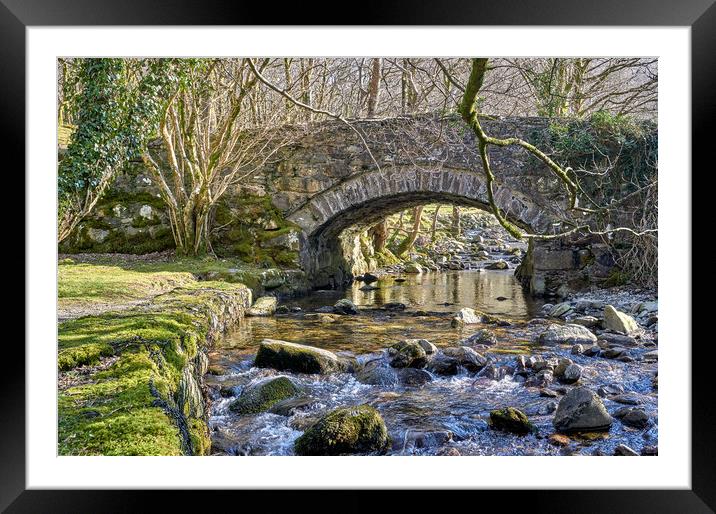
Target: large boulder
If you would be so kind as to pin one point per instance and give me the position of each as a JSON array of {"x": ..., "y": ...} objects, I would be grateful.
[
  {"x": 510, "y": 419},
  {"x": 567, "y": 334},
  {"x": 263, "y": 306},
  {"x": 345, "y": 431},
  {"x": 408, "y": 354},
  {"x": 262, "y": 395},
  {"x": 285, "y": 356},
  {"x": 581, "y": 410},
  {"x": 619, "y": 322},
  {"x": 345, "y": 306}
]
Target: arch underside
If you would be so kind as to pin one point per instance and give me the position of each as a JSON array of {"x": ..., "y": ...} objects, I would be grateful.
[{"x": 362, "y": 201}]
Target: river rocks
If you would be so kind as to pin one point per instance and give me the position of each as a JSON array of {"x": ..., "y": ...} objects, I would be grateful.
[
  {"x": 482, "y": 336},
  {"x": 633, "y": 417},
  {"x": 493, "y": 372},
  {"x": 497, "y": 265},
  {"x": 421, "y": 439},
  {"x": 571, "y": 374},
  {"x": 290, "y": 406},
  {"x": 592, "y": 351},
  {"x": 567, "y": 371},
  {"x": 559, "y": 440},
  {"x": 430, "y": 348},
  {"x": 561, "y": 366},
  {"x": 618, "y": 339},
  {"x": 627, "y": 399},
  {"x": 413, "y": 267},
  {"x": 468, "y": 316},
  {"x": 369, "y": 278},
  {"x": 619, "y": 322},
  {"x": 560, "y": 310},
  {"x": 345, "y": 306},
  {"x": 377, "y": 372},
  {"x": 285, "y": 356},
  {"x": 566, "y": 334},
  {"x": 466, "y": 357},
  {"x": 345, "y": 431},
  {"x": 510, "y": 419},
  {"x": 581, "y": 410},
  {"x": 624, "y": 451},
  {"x": 586, "y": 321},
  {"x": 394, "y": 306},
  {"x": 263, "y": 306},
  {"x": 408, "y": 354},
  {"x": 413, "y": 377},
  {"x": 610, "y": 390},
  {"x": 541, "y": 379},
  {"x": 444, "y": 365},
  {"x": 368, "y": 287},
  {"x": 577, "y": 349},
  {"x": 261, "y": 395}
]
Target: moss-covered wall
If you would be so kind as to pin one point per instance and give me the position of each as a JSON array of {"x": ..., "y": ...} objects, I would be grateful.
[
  {"x": 132, "y": 218},
  {"x": 250, "y": 227}
]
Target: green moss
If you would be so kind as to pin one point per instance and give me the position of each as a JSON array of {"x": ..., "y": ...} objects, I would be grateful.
[
  {"x": 264, "y": 395},
  {"x": 616, "y": 278},
  {"x": 141, "y": 222},
  {"x": 510, "y": 419},
  {"x": 244, "y": 220},
  {"x": 285, "y": 356},
  {"x": 130, "y": 407},
  {"x": 200, "y": 436},
  {"x": 346, "y": 430}
]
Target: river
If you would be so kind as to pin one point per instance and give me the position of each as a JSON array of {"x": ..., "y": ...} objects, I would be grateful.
[{"x": 447, "y": 415}]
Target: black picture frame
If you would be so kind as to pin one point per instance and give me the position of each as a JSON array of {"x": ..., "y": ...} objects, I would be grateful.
[{"x": 17, "y": 15}]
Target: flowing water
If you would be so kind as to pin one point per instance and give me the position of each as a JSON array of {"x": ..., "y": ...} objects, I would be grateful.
[{"x": 447, "y": 413}]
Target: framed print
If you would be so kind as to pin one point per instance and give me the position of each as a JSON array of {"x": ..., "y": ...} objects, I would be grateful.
[{"x": 431, "y": 254}]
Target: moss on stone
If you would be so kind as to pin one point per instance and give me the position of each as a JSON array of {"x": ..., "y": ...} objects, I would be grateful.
[
  {"x": 347, "y": 430},
  {"x": 286, "y": 356},
  {"x": 262, "y": 396},
  {"x": 510, "y": 419},
  {"x": 131, "y": 406},
  {"x": 250, "y": 224}
]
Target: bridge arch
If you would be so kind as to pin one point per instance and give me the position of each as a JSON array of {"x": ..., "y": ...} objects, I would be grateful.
[{"x": 364, "y": 199}]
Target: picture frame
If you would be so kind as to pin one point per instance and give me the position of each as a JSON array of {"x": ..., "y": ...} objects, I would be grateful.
[{"x": 700, "y": 15}]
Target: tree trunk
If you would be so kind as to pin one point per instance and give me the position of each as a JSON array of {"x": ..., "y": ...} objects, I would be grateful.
[
  {"x": 455, "y": 229},
  {"x": 379, "y": 233},
  {"x": 407, "y": 244},
  {"x": 435, "y": 223},
  {"x": 374, "y": 86}
]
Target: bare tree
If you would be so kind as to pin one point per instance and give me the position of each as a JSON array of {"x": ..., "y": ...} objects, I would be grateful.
[{"x": 206, "y": 147}]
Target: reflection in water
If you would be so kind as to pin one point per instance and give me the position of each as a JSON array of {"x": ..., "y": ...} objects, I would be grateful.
[
  {"x": 437, "y": 294},
  {"x": 478, "y": 289}
]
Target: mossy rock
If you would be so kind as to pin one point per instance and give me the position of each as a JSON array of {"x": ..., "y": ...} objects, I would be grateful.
[
  {"x": 345, "y": 431},
  {"x": 408, "y": 354},
  {"x": 285, "y": 356},
  {"x": 512, "y": 420},
  {"x": 263, "y": 395}
]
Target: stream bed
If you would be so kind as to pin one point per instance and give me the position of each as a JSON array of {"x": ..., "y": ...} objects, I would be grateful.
[{"x": 447, "y": 415}]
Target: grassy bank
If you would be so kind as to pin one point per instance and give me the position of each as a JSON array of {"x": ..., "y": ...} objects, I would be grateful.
[{"x": 130, "y": 372}]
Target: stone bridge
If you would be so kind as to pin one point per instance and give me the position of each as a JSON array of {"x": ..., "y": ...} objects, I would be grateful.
[{"x": 330, "y": 177}]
